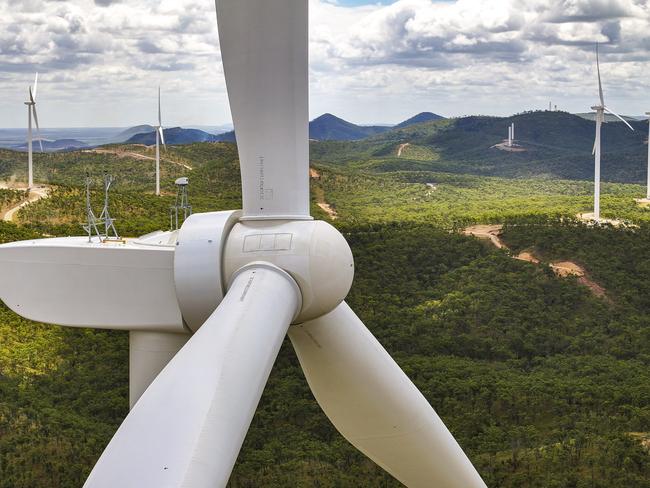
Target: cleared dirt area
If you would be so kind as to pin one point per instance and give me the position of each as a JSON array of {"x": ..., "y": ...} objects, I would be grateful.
[
  {"x": 490, "y": 232},
  {"x": 643, "y": 438},
  {"x": 504, "y": 147},
  {"x": 560, "y": 268},
  {"x": 527, "y": 256},
  {"x": 328, "y": 210},
  {"x": 589, "y": 218},
  {"x": 643, "y": 202},
  {"x": 136, "y": 155}
]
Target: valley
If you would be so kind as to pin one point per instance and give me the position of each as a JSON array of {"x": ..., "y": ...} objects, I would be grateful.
[{"x": 540, "y": 371}]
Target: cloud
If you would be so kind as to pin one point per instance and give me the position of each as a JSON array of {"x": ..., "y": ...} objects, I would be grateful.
[{"x": 448, "y": 56}]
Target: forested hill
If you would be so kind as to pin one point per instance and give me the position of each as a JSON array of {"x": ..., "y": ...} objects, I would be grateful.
[
  {"x": 556, "y": 144},
  {"x": 544, "y": 383}
]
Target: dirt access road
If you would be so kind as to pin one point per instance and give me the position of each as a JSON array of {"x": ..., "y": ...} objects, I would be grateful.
[
  {"x": 560, "y": 268},
  {"x": 320, "y": 196},
  {"x": 401, "y": 148},
  {"x": 37, "y": 193},
  {"x": 135, "y": 155}
]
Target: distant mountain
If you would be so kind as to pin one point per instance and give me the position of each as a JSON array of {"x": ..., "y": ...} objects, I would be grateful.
[
  {"x": 329, "y": 127},
  {"x": 53, "y": 146},
  {"x": 127, "y": 134},
  {"x": 419, "y": 119},
  {"x": 173, "y": 136},
  {"x": 226, "y": 137}
]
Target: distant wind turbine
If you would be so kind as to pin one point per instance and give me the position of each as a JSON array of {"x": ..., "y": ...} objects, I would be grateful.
[
  {"x": 31, "y": 111},
  {"x": 512, "y": 132},
  {"x": 159, "y": 137},
  {"x": 600, "y": 118}
]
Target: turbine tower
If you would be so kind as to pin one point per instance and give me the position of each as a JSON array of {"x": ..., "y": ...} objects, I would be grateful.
[
  {"x": 31, "y": 112},
  {"x": 160, "y": 136},
  {"x": 209, "y": 305},
  {"x": 600, "y": 118},
  {"x": 512, "y": 132}
]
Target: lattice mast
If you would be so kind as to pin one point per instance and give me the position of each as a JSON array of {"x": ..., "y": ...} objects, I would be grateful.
[
  {"x": 105, "y": 218},
  {"x": 181, "y": 204},
  {"x": 91, "y": 220}
]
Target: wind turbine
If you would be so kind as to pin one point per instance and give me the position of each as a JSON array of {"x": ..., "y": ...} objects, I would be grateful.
[
  {"x": 160, "y": 136},
  {"x": 31, "y": 112},
  {"x": 208, "y": 306},
  {"x": 600, "y": 118}
]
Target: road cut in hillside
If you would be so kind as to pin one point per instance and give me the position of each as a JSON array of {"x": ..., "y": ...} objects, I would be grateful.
[
  {"x": 319, "y": 193},
  {"x": 401, "y": 148},
  {"x": 560, "y": 268},
  {"x": 35, "y": 194},
  {"x": 136, "y": 155}
]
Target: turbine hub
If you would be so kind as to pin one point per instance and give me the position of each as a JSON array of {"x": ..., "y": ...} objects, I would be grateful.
[
  {"x": 212, "y": 247},
  {"x": 314, "y": 253}
]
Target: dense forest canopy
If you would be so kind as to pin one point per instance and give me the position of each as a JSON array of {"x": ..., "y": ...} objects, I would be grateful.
[{"x": 543, "y": 383}]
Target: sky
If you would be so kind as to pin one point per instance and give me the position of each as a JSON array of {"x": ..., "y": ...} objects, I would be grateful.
[{"x": 100, "y": 61}]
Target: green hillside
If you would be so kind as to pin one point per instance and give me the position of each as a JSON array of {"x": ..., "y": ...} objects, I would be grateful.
[
  {"x": 555, "y": 144},
  {"x": 543, "y": 383}
]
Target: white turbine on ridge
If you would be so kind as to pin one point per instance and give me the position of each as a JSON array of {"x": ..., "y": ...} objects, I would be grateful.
[
  {"x": 600, "y": 118},
  {"x": 31, "y": 112},
  {"x": 208, "y": 306},
  {"x": 160, "y": 136}
]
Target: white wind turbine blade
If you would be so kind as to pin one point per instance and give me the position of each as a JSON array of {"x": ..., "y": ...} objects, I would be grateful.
[
  {"x": 159, "y": 114},
  {"x": 38, "y": 129},
  {"x": 597, "y": 137},
  {"x": 375, "y": 406},
  {"x": 619, "y": 117},
  {"x": 162, "y": 136},
  {"x": 264, "y": 53},
  {"x": 160, "y": 127},
  {"x": 600, "y": 85},
  {"x": 33, "y": 98},
  {"x": 69, "y": 281},
  {"x": 188, "y": 426}
]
